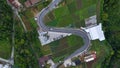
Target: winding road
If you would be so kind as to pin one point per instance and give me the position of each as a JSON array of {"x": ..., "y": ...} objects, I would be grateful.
[{"x": 80, "y": 32}]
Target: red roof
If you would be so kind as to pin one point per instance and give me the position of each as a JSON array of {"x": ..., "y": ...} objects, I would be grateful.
[{"x": 12, "y": 2}]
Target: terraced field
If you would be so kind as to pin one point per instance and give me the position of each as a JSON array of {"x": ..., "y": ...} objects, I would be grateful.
[{"x": 71, "y": 13}]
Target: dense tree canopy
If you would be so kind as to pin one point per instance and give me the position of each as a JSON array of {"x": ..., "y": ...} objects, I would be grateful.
[
  {"x": 6, "y": 20},
  {"x": 111, "y": 22}
]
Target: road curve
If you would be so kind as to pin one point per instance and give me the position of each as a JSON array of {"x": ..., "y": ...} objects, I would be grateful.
[{"x": 81, "y": 33}]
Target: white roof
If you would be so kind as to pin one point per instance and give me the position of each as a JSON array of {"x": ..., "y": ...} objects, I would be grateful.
[
  {"x": 1, "y": 66},
  {"x": 67, "y": 63},
  {"x": 90, "y": 59},
  {"x": 5, "y": 66},
  {"x": 96, "y": 32}
]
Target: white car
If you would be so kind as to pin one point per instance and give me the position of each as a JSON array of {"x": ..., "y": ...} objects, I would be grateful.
[{"x": 35, "y": 18}]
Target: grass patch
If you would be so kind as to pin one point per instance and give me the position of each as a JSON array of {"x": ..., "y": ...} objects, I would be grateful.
[
  {"x": 39, "y": 7},
  {"x": 63, "y": 22},
  {"x": 72, "y": 7},
  {"x": 5, "y": 49},
  {"x": 61, "y": 11},
  {"x": 52, "y": 23},
  {"x": 68, "y": 1},
  {"x": 73, "y": 41},
  {"x": 103, "y": 50},
  {"x": 87, "y": 3},
  {"x": 33, "y": 23},
  {"x": 46, "y": 50},
  {"x": 87, "y": 12}
]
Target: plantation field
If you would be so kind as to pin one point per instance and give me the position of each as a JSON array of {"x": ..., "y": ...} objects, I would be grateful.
[{"x": 62, "y": 48}]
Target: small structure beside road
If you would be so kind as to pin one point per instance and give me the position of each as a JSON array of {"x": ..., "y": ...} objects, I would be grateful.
[
  {"x": 70, "y": 62},
  {"x": 46, "y": 60},
  {"x": 43, "y": 60},
  {"x": 90, "y": 57}
]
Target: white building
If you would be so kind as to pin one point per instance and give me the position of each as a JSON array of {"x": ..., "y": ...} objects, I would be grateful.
[
  {"x": 95, "y": 32},
  {"x": 90, "y": 58},
  {"x": 5, "y": 66}
]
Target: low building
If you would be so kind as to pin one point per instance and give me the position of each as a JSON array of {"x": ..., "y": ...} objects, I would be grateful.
[
  {"x": 5, "y": 66},
  {"x": 95, "y": 32},
  {"x": 30, "y": 3},
  {"x": 43, "y": 60},
  {"x": 90, "y": 58},
  {"x": 67, "y": 63},
  {"x": 27, "y": 3},
  {"x": 15, "y": 3}
]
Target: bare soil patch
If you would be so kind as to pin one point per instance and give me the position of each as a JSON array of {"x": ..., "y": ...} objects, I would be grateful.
[{"x": 27, "y": 23}]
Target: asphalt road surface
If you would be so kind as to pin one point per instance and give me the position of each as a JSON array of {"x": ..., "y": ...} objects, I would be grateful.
[{"x": 77, "y": 32}]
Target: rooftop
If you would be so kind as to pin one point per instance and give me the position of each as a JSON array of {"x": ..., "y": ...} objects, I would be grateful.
[
  {"x": 15, "y": 3},
  {"x": 5, "y": 66},
  {"x": 43, "y": 60},
  {"x": 96, "y": 32},
  {"x": 29, "y": 3}
]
